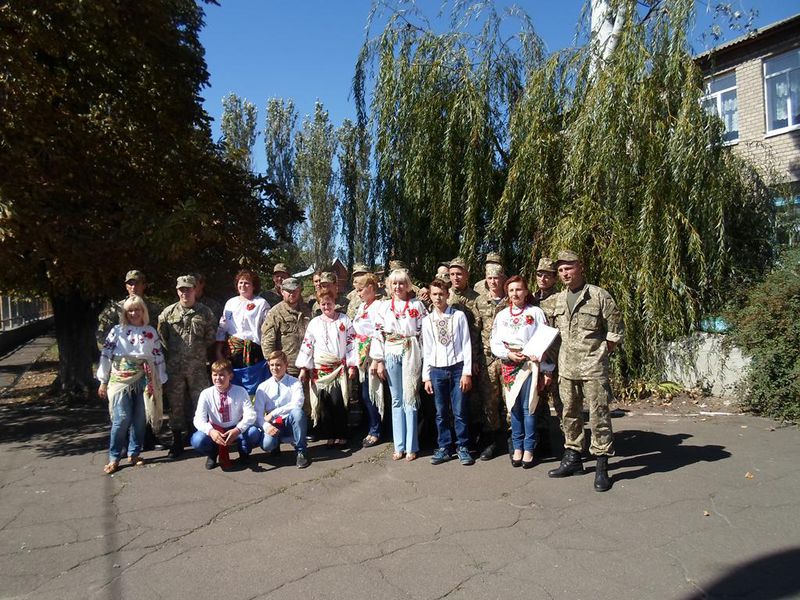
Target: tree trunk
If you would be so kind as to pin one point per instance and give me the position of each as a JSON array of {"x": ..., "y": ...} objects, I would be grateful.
[{"x": 75, "y": 319}]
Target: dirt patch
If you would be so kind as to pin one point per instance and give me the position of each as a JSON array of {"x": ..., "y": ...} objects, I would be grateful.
[{"x": 680, "y": 404}]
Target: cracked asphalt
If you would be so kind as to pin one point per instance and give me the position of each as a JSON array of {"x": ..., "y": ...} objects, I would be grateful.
[{"x": 700, "y": 508}]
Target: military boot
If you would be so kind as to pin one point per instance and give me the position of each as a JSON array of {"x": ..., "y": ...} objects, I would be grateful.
[
  {"x": 490, "y": 451},
  {"x": 602, "y": 482},
  {"x": 177, "y": 445},
  {"x": 570, "y": 464}
]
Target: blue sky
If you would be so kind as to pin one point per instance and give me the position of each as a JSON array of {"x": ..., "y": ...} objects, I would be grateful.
[{"x": 306, "y": 50}]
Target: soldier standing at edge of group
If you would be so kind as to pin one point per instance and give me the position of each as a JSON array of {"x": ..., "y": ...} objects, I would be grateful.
[
  {"x": 187, "y": 330},
  {"x": 591, "y": 326}
]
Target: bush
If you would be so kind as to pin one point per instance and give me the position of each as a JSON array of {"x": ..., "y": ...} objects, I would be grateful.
[{"x": 767, "y": 328}]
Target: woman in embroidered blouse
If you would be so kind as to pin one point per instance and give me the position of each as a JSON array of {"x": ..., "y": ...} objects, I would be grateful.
[
  {"x": 241, "y": 322},
  {"x": 370, "y": 387},
  {"x": 511, "y": 330},
  {"x": 131, "y": 371},
  {"x": 328, "y": 353},
  {"x": 396, "y": 356}
]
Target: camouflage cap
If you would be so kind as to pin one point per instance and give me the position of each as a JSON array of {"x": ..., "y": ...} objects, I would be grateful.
[
  {"x": 494, "y": 258},
  {"x": 360, "y": 269},
  {"x": 397, "y": 264},
  {"x": 567, "y": 256},
  {"x": 280, "y": 268},
  {"x": 459, "y": 262},
  {"x": 443, "y": 263},
  {"x": 546, "y": 264},
  {"x": 290, "y": 284},
  {"x": 186, "y": 281},
  {"x": 328, "y": 277},
  {"x": 134, "y": 275},
  {"x": 494, "y": 270}
]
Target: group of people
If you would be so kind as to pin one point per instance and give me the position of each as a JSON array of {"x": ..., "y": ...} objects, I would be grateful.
[{"x": 286, "y": 368}]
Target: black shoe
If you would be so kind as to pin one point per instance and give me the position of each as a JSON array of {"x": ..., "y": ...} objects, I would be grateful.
[
  {"x": 177, "y": 445},
  {"x": 602, "y": 482},
  {"x": 211, "y": 462},
  {"x": 570, "y": 465},
  {"x": 514, "y": 461},
  {"x": 244, "y": 459},
  {"x": 528, "y": 464},
  {"x": 302, "y": 460},
  {"x": 275, "y": 453}
]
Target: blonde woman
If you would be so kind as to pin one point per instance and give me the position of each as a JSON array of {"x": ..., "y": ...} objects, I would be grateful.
[{"x": 131, "y": 372}]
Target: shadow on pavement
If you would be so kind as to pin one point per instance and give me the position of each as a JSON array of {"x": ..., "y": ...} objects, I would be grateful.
[
  {"x": 55, "y": 429},
  {"x": 768, "y": 578},
  {"x": 648, "y": 452}
]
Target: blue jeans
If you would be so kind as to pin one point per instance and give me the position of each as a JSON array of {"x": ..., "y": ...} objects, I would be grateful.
[
  {"x": 208, "y": 447},
  {"x": 373, "y": 414},
  {"x": 128, "y": 419},
  {"x": 296, "y": 421},
  {"x": 404, "y": 416},
  {"x": 449, "y": 400},
  {"x": 523, "y": 425}
]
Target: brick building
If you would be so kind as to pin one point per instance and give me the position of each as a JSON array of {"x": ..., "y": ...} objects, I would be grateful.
[{"x": 753, "y": 84}]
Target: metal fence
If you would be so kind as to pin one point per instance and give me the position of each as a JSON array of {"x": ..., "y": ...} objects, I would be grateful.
[{"x": 15, "y": 312}]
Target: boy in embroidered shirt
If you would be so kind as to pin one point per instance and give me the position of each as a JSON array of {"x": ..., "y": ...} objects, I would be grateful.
[
  {"x": 447, "y": 372},
  {"x": 224, "y": 413},
  {"x": 279, "y": 411}
]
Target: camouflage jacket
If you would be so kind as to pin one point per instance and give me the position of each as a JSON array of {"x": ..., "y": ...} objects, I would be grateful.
[
  {"x": 284, "y": 328},
  {"x": 110, "y": 317},
  {"x": 215, "y": 306},
  {"x": 272, "y": 296},
  {"x": 489, "y": 308},
  {"x": 466, "y": 300},
  {"x": 546, "y": 300},
  {"x": 594, "y": 320},
  {"x": 186, "y": 333}
]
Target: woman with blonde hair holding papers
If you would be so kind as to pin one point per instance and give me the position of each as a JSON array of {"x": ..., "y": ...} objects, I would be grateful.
[
  {"x": 513, "y": 327},
  {"x": 131, "y": 371}
]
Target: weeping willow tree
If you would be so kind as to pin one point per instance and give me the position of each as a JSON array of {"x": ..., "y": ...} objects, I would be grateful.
[{"x": 484, "y": 142}]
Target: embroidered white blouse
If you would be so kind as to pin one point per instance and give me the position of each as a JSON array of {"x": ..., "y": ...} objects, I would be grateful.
[
  {"x": 335, "y": 337},
  {"x": 445, "y": 341},
  {"x": 402, "y": 318},
  {"x": 513, "y": 327},
  {"x": 133, "y": 342},
  {"x": 241, "y": 413},
  {"x": 278, "y": 397},
  {"x": 243, "y": 318}
]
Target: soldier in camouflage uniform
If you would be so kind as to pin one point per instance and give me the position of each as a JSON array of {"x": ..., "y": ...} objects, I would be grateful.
[
  {"x": 545, "y": 298},
  {"x": 352, "y": 297},
  {"x": 591, "y": 326},
  {"x": 200, "y": 294},
  {"x": 135, "y": 284},
  {"x": 489, "y": 387},
  {"x": 466, "y": 299},
  {"x": 492, "y": 258},
  {"x": 329, "y": 281},
  {"x": 187, "y": 329},
  {"x": 285, "y": 324},
  {"x": 274, "y": 296}
]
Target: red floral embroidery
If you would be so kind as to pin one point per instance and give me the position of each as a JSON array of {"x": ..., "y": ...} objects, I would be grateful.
[
  {"x": 341, "y": 326},
  {"x": 515, "y": 320},
  {"x": 528, "y": 319},
  {"x": 148, "y": 335},
  {"x": 250, "y": 306},
  {"x": 413, "y": 313}
]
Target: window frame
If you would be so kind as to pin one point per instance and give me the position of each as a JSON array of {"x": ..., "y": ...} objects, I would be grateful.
[
  {"x": 717, "y": 98},
  {"x": 790, "y": 127}
]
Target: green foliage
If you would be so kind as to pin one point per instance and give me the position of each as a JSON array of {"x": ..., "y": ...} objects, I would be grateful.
[
  {"x": 767, "y": 328},
  {"x": 356, "y": 212},
  {"x": 239, "y": 131}
]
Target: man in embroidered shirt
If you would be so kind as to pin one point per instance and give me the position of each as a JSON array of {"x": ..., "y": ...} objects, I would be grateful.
[
  {"x": 224, "y": 413},
  {"x": 591, "y": 326},
  {"x": 279, "y": 411},
  {"x": 447, "y": 372}
]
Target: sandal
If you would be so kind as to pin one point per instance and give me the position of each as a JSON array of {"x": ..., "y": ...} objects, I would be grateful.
[
  {"x": 111, "y": 468},
  {"x": 369, "y": 441},
  {"x": 136, "y": 461},
  {"x": 398, "y": 455},
  {"x": 411, "y": 456}
]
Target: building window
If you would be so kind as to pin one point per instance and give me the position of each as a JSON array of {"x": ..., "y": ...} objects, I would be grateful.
[
  {"x": 720, "y": 100},
  {"x": 782, "y": 90}
]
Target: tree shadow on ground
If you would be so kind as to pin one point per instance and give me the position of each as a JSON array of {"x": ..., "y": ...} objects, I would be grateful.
[
  {"x": 55, "y": 428},
  {"x": 771, "y": 577},
  {"x": 646, "y": 452}
]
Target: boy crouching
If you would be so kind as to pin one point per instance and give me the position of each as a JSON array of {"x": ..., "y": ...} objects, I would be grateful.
[
  {"x": 279, "y": 411},
  {"x": 224, "y": 413}
]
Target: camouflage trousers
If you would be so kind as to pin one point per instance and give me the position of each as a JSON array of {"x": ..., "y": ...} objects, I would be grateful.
[
  {"x": 597, "y": 394},
  {"x": 487, "y": 395},
  {"x": 182, "y": 390},
  {"x": 552, "y": 396}
]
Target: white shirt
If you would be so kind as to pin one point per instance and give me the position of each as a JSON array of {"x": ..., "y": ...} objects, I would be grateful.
[
  {"x": 133, "y": 342},
  {"x": 278, "y": 397},
  {"x": 242, "y": 414},
  {"x": 405, "y": 320},
  {"x": 445, "y": 341},
  {"x": 243, "y": 318},
  {"x": 335, "y": 337},
  {"x": 366, "y": 318},
  {"x": 513, "y": 327}
]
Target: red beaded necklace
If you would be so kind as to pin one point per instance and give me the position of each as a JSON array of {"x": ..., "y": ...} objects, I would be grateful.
[
  {"x": 405, "y": 308},
  {"x": 511, "y": 310}
]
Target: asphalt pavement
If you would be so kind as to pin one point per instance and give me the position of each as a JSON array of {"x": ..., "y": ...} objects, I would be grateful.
[{"x": 701, "y": 507}]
